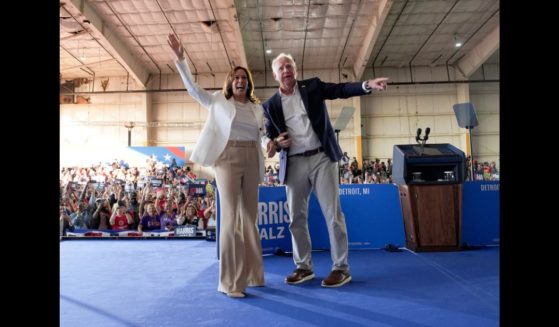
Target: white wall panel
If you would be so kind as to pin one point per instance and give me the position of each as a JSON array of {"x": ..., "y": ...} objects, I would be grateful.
[{"x": 485, "y": 139}]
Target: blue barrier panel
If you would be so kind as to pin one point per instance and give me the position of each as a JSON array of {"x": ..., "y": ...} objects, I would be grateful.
[
  {"x": 481, "y": 213},
  {"x": 273, "y": 219},
  {"x": 372, "y": 211},
  {"x": 373, "y": 217}
]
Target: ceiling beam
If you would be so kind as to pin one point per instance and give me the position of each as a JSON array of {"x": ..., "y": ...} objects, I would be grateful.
[
  {"x": 109, "y": 39},
  {"x": 85, "y": 65},
  {"x": 240, "y": 46},
  {"x": 479, "y": 53},
  {"x": 364, "y": 53},
  {"x": 73, "y": 35}
]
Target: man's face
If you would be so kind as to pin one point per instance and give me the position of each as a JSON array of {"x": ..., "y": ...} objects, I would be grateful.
[{"x": 285, "y": 73}]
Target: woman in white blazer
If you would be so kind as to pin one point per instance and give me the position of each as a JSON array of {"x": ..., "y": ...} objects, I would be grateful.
[{"x": 230, "y": 141}]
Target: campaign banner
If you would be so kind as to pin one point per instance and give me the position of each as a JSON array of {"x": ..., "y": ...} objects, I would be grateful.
[
  {"x": 164, "y": 154},
  {"x": 78, "y": 232},
  {"x": 88, "y": 233},
  {"x": 372, "y": 214},
  {"x": 132, "y": 156},
  {"x": 273, "y": 219}
]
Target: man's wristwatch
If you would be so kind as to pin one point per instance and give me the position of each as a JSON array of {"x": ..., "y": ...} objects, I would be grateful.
[{"x": 367, "y": 85}]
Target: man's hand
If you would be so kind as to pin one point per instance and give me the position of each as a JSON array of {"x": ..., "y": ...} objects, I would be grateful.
[
  {"x": 282, "y": 141},
  {"x": 377, "y": 83}
]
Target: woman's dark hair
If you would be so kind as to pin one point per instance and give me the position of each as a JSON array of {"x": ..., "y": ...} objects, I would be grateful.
[{"x": 228, "y": 85}]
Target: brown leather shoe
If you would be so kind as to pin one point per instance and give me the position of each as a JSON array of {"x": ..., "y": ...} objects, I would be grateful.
[
  {"x": 299, "y": 275},
  {"x": 336, "y": 278}
]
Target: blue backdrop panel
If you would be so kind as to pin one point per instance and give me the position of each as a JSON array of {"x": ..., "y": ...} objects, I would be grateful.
[
  {"x": 373, "y": 217},
  {"x": 273, "y": 219},
  {"x": 481, "y": 213}
]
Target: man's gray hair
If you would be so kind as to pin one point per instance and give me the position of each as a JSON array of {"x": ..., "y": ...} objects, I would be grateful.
[{"x": 283, "y": 55}]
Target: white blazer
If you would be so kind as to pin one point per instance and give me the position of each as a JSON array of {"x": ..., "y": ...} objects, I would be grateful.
[{"x": 216, "y": 130}]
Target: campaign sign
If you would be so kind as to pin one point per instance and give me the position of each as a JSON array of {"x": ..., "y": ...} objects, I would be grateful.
[
  {"x": 196, "y": 189},
  {"x": 156, "y": 182},
  {"x": 273, "y": 219},
  {"x": 185, "y": 230}
]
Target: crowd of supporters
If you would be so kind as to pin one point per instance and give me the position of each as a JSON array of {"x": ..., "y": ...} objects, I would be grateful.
[
  {"x": 114, "y": 196},
  {"x": 483, "y": 171}
]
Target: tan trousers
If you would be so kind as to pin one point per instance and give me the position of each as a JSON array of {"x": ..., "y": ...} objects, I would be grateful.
[
  {"x": 240, "y": 250},
  {"x": 316, "y": 174}
]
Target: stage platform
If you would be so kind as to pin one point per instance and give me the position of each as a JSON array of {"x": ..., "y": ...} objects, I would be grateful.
[{"x": 174, "y": 283}]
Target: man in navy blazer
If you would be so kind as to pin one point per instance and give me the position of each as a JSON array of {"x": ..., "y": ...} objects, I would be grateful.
[{"x": 299, "y": 125}]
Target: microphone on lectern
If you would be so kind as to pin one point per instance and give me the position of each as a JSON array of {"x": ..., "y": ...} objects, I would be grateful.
[{"x": 417, "y": 135}]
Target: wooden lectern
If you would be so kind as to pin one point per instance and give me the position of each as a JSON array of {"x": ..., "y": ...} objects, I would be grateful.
[
  {"x": 429, "y": 179},
  {"x": 432, "y": 216}
]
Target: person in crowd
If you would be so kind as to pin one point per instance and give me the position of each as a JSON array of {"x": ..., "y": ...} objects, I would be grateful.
[
  {"x": 300, "y": 127},
  {"x": 150, "y": 218},
  {"x": 120, "y": 219},
  {"x": 230, "y": 142},
  {"x": 133, "y": 209},
  {"x": 82, "y": 217},
  {"x": 189, "y": 217},
  {"x": 168, "y": 217},
  {"x": 210, "y": 215},
  {"x": 486, "y": 171},
  {"x": 345, "y": 158},
  {"x": 494, "y": 171},
  {"x": 65, "y": 221},
  {"x": 468, "y": 168},
  {"x": 101, "y": 216},
  {"x": 478, "y": 171}
]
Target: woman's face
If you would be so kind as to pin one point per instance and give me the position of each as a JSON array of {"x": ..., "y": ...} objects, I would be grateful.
[
  {"x": 191, "y": 211},
  {"x": 169, "y": 206},
  {"x": 240, "y": 83}
]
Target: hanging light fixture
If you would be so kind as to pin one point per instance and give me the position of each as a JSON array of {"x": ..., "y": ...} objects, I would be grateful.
[
  {"x": 82, "y": 54},
  {"x": 457, "y": 43}
]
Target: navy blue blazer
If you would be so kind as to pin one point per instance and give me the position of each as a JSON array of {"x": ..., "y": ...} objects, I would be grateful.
[{"x": 313, "y": 93}]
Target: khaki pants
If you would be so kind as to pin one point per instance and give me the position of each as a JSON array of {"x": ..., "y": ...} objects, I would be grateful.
[
  {"x": 316, "y": 174},
  {"x": 240, "y": 250}
]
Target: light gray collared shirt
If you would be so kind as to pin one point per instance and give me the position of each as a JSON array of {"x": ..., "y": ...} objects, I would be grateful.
[{"x": 299, "y": 128}]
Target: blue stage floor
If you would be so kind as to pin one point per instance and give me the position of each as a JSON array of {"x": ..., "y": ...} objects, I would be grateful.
[{"x": 174, "y": 283}]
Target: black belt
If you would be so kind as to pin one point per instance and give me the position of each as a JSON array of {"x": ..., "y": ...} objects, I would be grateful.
[{"x": 308, "y": 153}]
